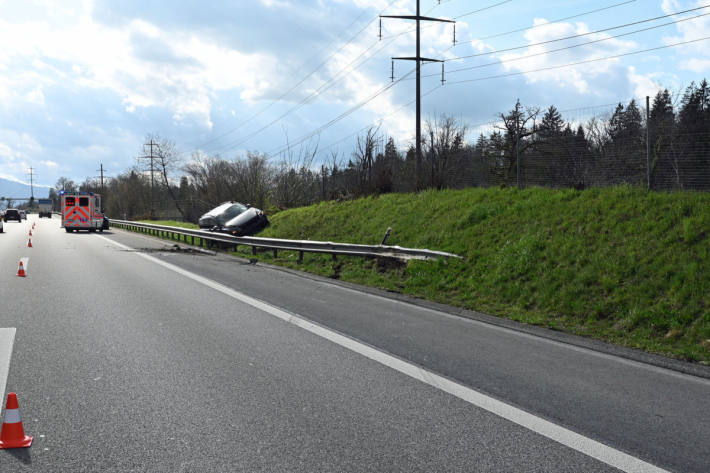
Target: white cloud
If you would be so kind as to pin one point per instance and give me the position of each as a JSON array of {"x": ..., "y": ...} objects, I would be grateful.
[
  {"x": 35, "y": 96},
  {"x": 699, "y": 66},
  {"x": 100, "y": 57},
  {"x": 644, "y": 85},
  {"x": 5, "y": 151},
  {"x": 579, "y": 78},
  {"x": 690, "y": 30},
  {"x": 49, "y": 164}
]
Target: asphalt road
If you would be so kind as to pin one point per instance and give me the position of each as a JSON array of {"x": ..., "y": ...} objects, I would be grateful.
[{"x": 123, "y": 364}]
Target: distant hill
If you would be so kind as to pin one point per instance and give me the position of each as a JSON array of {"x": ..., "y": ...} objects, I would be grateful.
[{"x": 18, "y": 190}]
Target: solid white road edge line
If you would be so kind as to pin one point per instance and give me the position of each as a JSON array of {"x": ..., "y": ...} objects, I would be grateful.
[
  {"x": 531, "y": 336},
  {"x": 566, "y": 437},
  {"x": 7, "y": 339}
]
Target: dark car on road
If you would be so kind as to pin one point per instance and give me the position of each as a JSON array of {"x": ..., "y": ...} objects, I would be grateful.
[
  {"x": 12, "y": 214},
  {"x": 235, "y": 219}
]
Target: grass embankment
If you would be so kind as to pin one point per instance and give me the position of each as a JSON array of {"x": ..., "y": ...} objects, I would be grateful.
[{"x": 617, "y": 264}]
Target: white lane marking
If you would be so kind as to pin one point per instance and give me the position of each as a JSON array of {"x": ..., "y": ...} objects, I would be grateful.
[
  {"x": 530, "y": 336},
  {"x": 566, "y": 437},
  {"x": 7, "y": 339},
  {"x": 492, "y": 326}
]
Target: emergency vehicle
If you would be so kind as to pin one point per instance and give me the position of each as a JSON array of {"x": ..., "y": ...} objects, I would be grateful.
[{"x": 81, "y": 211}]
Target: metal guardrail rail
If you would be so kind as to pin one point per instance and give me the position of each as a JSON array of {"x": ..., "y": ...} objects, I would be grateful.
[{"x": 275, "y": 244}]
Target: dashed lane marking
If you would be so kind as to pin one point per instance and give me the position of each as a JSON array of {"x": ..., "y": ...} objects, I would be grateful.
[{"x": 7, "y": 339}]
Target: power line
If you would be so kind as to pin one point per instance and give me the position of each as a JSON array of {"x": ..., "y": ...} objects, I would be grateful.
[
  {"x": 323, "y": 87},
  {"x": 310, "y": 74},
  {"x": 594, "y": 32},
  {"x": 497, "y": 35},
  {"x": 343, "y": 115},
  {"x": 379, "y": 120},
  {"x": 455, "y": 18},
  {"x": 318, "y": 91},
  {"x": 499, "y": 76},
  {"x": 482, "y": 9},
  {"x": 306, "y": 100},
  {"x": 527, "y": 56}
]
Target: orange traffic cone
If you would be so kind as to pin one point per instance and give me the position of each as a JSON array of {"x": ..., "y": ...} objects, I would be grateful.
[
  {"x": 13, "y": 434},
  {"x": 21, "y": 270},
  {"x": 29, "y": 243},
  {"x": 30, "y": 232}
]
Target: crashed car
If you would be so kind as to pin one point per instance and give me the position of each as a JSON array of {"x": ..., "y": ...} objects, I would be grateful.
[{"x": 235, "y": 219}]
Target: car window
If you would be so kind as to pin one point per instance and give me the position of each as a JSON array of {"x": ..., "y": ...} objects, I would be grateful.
[
  {"x": 233, "y": 211},
  {"x": 218, "y": 210},
  {"x": 69, "y": 201},
  {"x": 83, "y": 201}
]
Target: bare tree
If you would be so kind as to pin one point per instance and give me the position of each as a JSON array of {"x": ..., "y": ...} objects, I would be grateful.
[
  {"x": 294, "y": 182},
  {"x": 65, "y": 184},
  {"x": 364, "y": 156},
  {"x": 446, "y": 143}
]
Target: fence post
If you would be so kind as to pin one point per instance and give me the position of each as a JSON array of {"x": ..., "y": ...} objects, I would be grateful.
[
  {"x": 517, "y": 152},
  {"x": 648, "y": 145}
]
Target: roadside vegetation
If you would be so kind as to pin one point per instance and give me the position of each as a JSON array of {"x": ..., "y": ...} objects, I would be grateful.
[{"x": 618, "y": 264}]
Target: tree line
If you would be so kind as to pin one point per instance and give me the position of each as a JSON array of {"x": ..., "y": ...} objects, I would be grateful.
[{"x": 526, "y": 147}]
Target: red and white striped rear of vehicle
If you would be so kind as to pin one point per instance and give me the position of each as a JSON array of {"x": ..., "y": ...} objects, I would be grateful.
[{"x": 81, "y": 211}]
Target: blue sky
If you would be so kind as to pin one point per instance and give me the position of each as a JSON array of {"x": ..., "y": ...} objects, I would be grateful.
[{"x": 82, "y": 82}]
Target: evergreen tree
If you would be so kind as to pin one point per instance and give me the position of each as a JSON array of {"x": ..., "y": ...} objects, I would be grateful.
[
  {"x": 552, "y": 124},
  {"x": 693, "y": 164},
  {"x": 663, "y": 133}
]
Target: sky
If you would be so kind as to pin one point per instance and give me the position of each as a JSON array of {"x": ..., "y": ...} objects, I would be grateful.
[{"x": 83, "y": 83}]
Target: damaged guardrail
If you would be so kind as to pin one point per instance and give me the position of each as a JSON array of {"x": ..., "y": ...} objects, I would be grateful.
[{"x": 276, "y": 244}]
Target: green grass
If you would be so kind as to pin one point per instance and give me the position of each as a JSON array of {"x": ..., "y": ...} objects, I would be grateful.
[{"x": 617, "y": 264}]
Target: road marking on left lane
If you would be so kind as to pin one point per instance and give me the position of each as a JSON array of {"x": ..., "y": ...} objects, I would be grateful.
[
  {"x": 7, "y": 339},
  {"x": 580, "y": 443}
]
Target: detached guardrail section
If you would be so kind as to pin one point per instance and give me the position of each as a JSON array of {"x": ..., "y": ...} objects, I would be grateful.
[{"x": 275, "y": 244}]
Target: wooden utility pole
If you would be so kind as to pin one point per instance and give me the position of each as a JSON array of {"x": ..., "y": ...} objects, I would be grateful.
[{"x": 419, "y": 59}]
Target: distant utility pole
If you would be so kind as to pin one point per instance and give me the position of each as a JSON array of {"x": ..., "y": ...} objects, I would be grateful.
[
  {"x": 101, "y": 170},
  {"x": 151, "y": 156},
  {"x": 419, "y": 59},
  {"x": 32, "y": 189}
]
